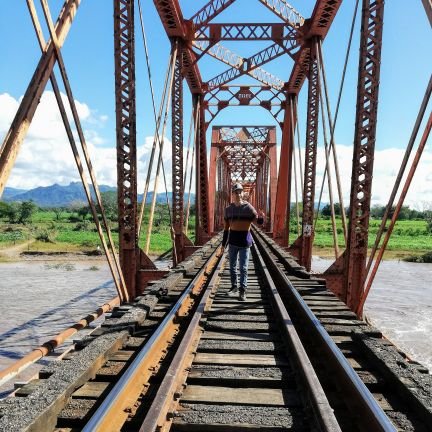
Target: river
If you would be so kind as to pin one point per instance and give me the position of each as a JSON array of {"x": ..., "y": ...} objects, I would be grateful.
[
  {"x": 400, "y": 305},
  {"x": 39, "y": 299}
]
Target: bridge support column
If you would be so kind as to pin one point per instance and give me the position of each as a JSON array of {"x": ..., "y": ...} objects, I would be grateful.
[
  {"x": 124, "y": 44},
  {"x": 346, "y": 276},
  {"x": 212, "y": 198},
  {"x": 305, "y": 241},
  {"x": 364, "y": 147},
  {"x": 283, "y": 194},
  {"x": 202, "y": 234},
  {"x": 177, "y": 156},
  {"x": 272, "y": 154}
]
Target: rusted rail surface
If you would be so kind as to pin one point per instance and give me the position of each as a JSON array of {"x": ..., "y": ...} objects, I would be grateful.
[{"x": 218, "y": 364}]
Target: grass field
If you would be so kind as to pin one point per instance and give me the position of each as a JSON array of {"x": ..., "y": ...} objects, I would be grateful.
[
  {"x": 50, "y": 232},
  {"x": 46, "y": 233},
  {"x": 408, "y": 235}
]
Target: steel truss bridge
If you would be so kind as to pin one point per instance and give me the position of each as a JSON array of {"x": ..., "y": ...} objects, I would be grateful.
[
  {"x": 234, "y": 153},
  {"x": 245, "y": 153}
]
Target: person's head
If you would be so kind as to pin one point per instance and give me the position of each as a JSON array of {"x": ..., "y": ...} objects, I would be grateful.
[{"x": 237, "y": 190}]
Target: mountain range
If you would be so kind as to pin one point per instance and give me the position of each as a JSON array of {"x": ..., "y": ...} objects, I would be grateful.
[{"x": 63, "y": 196}]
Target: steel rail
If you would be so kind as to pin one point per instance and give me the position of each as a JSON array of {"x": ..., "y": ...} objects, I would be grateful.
[
  {"x": 49, "y": 346},
  {"x": 323, "y": 412},
  {"x": 100, "y": 419},
  {"x": 372, "y": 414},
  {"x": 160, "y": 405},
  {"x": 156, "y": 416}
]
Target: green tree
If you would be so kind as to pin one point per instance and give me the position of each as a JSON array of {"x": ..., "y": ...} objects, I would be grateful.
[
  {"x": 326, "y": 210},
  {"x": 4, "y": 209},
  {"x": 11, "y": 212},
  {"x": 403, "y": 213},
  {"x": 428, "y": 218},
  {"x": 83, "y": 212},
  {"x": 377, "y": 211},
  {"x": 26, "y": 211},
  {"x": 58, "y": 211},
  {"x": 109, "y": 202}
]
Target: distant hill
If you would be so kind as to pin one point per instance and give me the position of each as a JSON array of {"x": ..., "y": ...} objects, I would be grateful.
[
  {"x": 55, "y": 195},
  {"x": 10, "y": 192},
  {"x": 62, "y": 196}
]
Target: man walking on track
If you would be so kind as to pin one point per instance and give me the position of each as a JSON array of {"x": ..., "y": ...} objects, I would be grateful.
[{"x": 238, "y": 217}]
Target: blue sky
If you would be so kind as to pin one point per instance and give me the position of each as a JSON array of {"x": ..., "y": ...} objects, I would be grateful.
[{"x": 88, "y": 55}]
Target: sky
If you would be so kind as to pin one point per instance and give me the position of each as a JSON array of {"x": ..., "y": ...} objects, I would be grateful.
[{"x": 45, "y": 156}]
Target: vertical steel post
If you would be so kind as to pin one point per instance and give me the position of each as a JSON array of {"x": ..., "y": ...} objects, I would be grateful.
[
  {"x": 272, "y": 152},
  {"x": 364, "y": 146},
  {"x": 124, "y": 51},
  {"x": 307, "y": 236},
  {"x": 219, "y": 209},
  {"x": 265, "y": 171},
  {"x": 177, "y": 156},
  {"x": 283, "y": 194},
  {"x": 201, "y": 199},
  {"x": 214, "y": 150}
]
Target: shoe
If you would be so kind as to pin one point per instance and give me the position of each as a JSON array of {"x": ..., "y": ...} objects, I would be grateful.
[
  {"x": 242, "y": 296},
  {"x": 232, "y": 292}
]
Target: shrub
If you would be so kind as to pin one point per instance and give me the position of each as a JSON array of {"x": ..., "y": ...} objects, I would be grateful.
[
  {"x": 46, "y": 235},
  {"x": 82, "y": 226}
]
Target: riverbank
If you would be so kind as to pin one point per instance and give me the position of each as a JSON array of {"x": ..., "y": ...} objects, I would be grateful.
[
  {"x": 27, "y": 252},
  {"x": 40, "y": 251},
  {"x": 389, "y": 255}
]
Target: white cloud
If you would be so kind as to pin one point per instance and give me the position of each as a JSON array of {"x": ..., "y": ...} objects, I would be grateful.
[
  {"x": 386, "y": 167},
  {"x": 46, "y": 158}
]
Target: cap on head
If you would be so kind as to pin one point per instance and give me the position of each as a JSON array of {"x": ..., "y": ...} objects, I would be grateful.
[{"x": 236, "y": 187}]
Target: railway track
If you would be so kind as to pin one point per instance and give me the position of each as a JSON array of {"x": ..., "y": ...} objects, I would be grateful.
[{"x": 188, "y": 357}]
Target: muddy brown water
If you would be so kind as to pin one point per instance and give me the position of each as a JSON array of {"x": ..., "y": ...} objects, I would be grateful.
[
  {"x": 400, "y": 305},
  {"x": 39, "y": 299}
]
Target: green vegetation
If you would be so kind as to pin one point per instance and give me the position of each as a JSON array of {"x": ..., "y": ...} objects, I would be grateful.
[
  {"x": 412, "y": 232},
  {"x": 407, "y": 235},
  {"x": 72, "y": 229}
]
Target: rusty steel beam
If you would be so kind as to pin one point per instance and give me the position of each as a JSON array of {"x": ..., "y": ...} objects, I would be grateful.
[
  {"x": 318, "y": 25},
  {"x": 214, "y": 171},
  {"x": 211, "y": 10},
  {"x": 283, "y": 191},
  {"x": 177, "y": 157},
  {"x": 201, "y": 199},
  {"x": 307, "y": 236},
  {"x": 246, "y": 31},
  {"x": 22, "y": 120},
  {"x": 260, "y": 58},
  {"x": 427, "y": 4},
  {"x": 245, "y": 152},
  {"x": 285, "y": 12},
  {"x": 322, "y": 17},
  {"x": 364, "y": 147},
  {"x": 263, "y": 96},
  {"x": 236, "y": 61},
  {"x": 272, "y": 153},
  {"x": 124, "y": 52},
  {"x": 172, "y": 19}
]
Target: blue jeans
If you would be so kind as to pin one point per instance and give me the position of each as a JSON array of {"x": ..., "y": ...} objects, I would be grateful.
[{"x": 243, "y": 254}]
